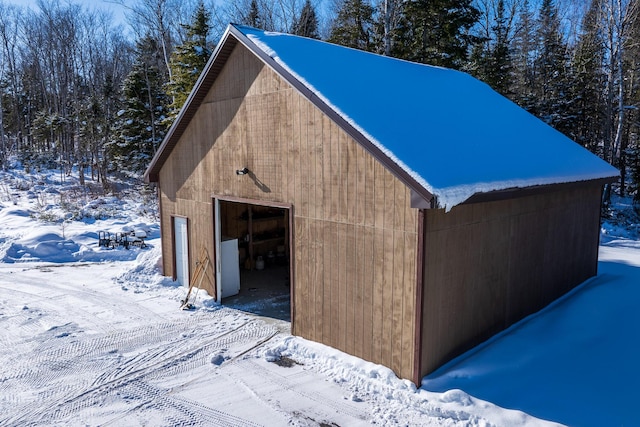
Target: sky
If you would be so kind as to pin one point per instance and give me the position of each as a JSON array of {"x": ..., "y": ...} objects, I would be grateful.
[{"x": 118, "y": 11}]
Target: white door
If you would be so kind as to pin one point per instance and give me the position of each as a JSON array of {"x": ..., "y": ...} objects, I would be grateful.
[{"x": 181, "y": 251}]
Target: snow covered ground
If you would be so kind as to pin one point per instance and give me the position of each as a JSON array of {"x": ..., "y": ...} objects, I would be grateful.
[{"x": 94, "y": 336}]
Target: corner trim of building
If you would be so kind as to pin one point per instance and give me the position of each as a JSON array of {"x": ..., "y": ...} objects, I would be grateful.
[{"x": 417, "y": 354}]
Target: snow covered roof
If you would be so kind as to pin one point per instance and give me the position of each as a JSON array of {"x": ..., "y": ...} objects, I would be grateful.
[{"x": 443, "y": 132}]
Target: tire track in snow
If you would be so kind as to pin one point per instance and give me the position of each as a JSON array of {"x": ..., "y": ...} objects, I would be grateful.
[
  {"x": 174, "y": 410},
  {"x": 126, "y": 376},
  {"x": 134, "y": 381},
  {"x": 167, "y": 351},
  {"x": 180, "y": 411},
  {"x": 56, "y": 350},
  {"x": 52, "y": 356}
]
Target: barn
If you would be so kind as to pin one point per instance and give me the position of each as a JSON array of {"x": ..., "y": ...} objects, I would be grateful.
[{"x": 416, "y": 211}]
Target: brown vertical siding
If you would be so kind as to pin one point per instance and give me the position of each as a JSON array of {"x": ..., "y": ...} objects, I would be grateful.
[
  {"x": 354, "y": 232},
  {"x": 488, "y": 265}
]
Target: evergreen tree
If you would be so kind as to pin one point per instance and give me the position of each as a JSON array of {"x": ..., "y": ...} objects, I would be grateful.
[
  {"x": 491, "y": 56},
  {"x": 253, "y": 18},
  {"x": 523, "y": 48},
  {"x": 552, "y": 78},
  {"x": 141, "y": 123},
  {"x": 479, "y": 59},
  {"x": 499, "y": 75},
  {"x": 307, "y": 23},
  {"x": 632, "y": 143},
  {"x": 354, "y": 25},
  {"x": 188, "y": 60},
  {"x": 437, "y": 32},
  {"x": 589, "y": 82}
]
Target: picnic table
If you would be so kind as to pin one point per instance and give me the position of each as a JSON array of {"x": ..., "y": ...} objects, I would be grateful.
[{"x": 125, "y": 238}]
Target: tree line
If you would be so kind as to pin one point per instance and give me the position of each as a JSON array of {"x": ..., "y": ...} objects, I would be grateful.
[{"x": 78, "y": 89}]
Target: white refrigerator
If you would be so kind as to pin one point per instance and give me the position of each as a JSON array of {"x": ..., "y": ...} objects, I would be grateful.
[{"x": 230, "y": 268}]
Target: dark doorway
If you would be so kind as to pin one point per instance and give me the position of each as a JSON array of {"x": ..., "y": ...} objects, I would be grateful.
[{"x": 260, "y": 236}]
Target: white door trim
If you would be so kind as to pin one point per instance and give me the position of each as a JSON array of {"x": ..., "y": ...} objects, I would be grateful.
[
  {"x": 181, "y": 250},
  {"x": 216, "y": 233}
]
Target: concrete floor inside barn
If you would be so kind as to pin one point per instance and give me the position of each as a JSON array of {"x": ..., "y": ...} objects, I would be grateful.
[{"x": 264, "y": 292}]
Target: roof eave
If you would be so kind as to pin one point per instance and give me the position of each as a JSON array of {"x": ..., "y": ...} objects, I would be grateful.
[{"x": 510, "y": 193}]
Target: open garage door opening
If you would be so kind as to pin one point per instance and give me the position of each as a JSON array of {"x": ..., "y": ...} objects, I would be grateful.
[{"x": 253, "y": 257}]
